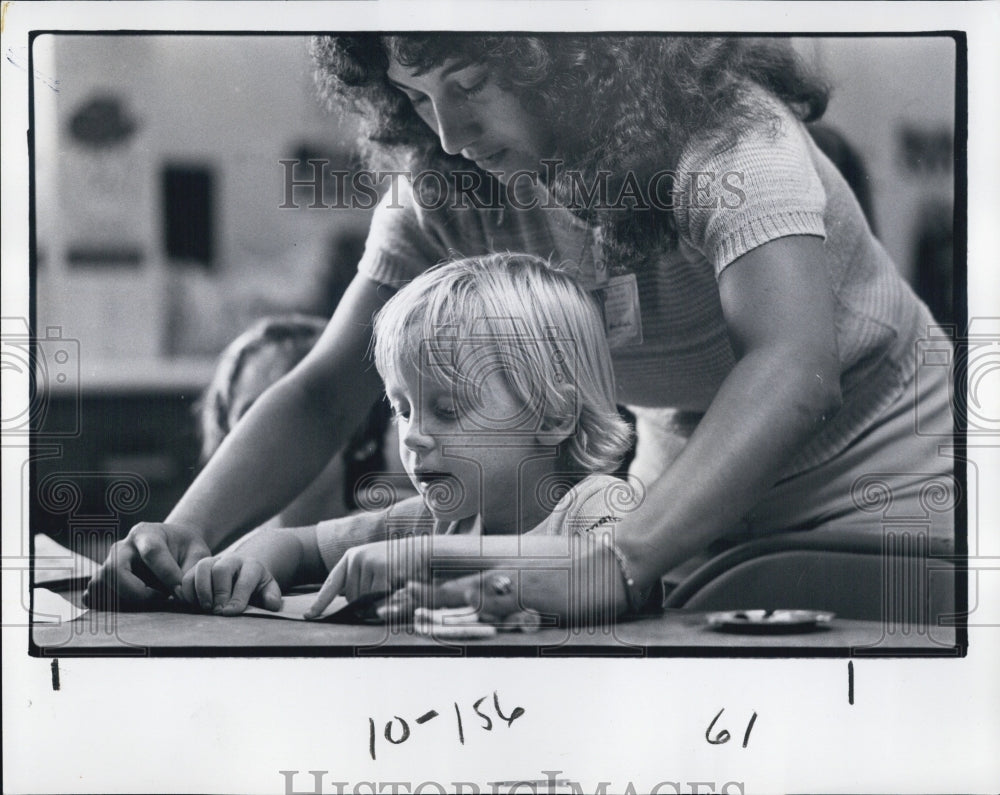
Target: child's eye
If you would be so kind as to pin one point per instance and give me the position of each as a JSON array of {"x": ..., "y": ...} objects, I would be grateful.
[
  {"x": 399, "y": 413},
  {"x": 446, "y": 412}
]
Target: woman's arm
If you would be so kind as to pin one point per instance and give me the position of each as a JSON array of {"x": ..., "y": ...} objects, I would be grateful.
[
  {"x": 293, "y": 430},
  {"x": 779, "y": 308},
  {"x": 277, "y": 449}
]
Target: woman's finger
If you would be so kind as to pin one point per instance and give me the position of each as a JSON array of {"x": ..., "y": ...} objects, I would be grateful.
[
  {"x": 455, "y": 592},
  {"x": 154, "y": 552},
  {"x": 494, "y": 594},
  {"x": 114, "y": 584}
]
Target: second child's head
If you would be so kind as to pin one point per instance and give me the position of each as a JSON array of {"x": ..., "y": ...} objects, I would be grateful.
[
  {"x": 498, "y": 371},
  {"x": 248, "y": 367}
]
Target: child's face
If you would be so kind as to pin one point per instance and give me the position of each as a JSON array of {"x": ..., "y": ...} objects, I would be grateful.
[{"x": 464, "y": 454}]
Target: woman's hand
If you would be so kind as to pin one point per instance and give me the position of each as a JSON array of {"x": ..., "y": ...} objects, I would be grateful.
[
  {"x": 147, "y": 565},
  {"x": 591, "y": 593},
  {"x": 381, "y": 566},
  {"x": 226, "y": 584},
  {"x": 587, "y": 587}
]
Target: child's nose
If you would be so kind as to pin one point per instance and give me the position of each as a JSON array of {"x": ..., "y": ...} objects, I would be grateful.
[{"x": 416, "y": 436}]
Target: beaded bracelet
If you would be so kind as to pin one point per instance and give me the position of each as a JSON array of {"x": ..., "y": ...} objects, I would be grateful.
[{"x": 636, "y": 596}]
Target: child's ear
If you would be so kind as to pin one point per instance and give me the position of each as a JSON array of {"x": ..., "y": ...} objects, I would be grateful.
[{"x": 560, "y": 423}]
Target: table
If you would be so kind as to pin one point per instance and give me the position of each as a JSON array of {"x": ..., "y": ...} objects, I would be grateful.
[{"x": 171, "y": 631}]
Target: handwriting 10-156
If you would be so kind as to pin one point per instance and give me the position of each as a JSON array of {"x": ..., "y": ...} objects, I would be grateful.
[{"x": 402, "y": 734}]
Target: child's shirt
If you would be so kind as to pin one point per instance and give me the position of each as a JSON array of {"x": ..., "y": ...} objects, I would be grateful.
[{"x": 597, "y": 501}]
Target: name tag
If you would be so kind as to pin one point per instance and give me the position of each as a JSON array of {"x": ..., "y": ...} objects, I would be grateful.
[{"x": 619, "y": 301}]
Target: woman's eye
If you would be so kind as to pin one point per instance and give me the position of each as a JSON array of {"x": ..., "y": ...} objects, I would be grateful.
[
  {"x": 399, "y": 414},
  {"x": 415, "y": 98},
  {"x": 477, "y": 86}
]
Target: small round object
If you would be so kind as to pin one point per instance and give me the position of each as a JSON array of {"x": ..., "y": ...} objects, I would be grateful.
[
  {"x": 501, "y": 584},
  {"x": 774, "y": 621}
]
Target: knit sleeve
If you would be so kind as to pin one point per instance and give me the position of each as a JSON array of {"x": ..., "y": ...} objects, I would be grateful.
[
  {"x": 400, "y": 244},
  {"x": 763, "y": 187}
]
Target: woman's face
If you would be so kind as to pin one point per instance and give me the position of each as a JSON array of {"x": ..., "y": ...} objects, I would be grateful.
[{"x": 474, "y": 117}]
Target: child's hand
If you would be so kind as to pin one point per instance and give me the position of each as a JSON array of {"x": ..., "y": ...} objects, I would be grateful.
[
  {"x": 225, "y": 584},
  {"x": 381, "y": 566}
]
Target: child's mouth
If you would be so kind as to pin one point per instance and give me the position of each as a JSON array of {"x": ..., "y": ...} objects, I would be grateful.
[
  {"x": 442, "y": 491},
  {"x": 429, "y": 478}
]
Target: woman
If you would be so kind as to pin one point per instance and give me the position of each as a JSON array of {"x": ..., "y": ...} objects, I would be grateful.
[{"x": 739, "y": 279}]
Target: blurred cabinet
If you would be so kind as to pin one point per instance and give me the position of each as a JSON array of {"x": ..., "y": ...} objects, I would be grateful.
[{"x": 134, "y": 454}]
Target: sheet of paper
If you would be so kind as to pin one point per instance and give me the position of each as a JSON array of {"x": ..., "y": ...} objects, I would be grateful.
[
  {"x": 51, "y": 608},
  {"x": 294, "y": 605},
  {"x": 55, "y": 562}
]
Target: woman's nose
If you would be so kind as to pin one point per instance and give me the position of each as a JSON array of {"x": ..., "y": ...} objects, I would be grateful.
[{"x": 456, "y": 128}]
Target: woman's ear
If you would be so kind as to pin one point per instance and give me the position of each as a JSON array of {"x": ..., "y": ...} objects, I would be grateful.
[{"x": 560, "y": 421}]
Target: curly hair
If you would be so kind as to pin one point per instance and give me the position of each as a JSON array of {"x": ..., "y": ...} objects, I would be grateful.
[{"x": 617, "y": 105}]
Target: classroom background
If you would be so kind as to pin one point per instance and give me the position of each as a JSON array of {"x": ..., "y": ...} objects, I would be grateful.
[{"x": 161, "y": 235}]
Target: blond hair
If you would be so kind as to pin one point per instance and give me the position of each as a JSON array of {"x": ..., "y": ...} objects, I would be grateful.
[{"x": 536, "y": 325}]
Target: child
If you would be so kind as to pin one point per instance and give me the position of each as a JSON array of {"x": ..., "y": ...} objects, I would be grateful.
[
  {"x": 250, "y": 364},
  {"x": 499, "y": 375}
]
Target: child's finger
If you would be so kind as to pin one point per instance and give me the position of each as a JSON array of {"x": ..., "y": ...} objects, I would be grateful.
[
  {"x": 186, "y": 590},
  {"x": 224, "y": 573},
  {"x": 373, "y": 578},
  {"x": 352, "y": 583},
  {"x": 203, "y": 584},
  {"x": 250, "y": 577},
  {"x": 332, "y": 588},
  {"x": 192, "y": 554},
  {"x": 270, "y": 594}
]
